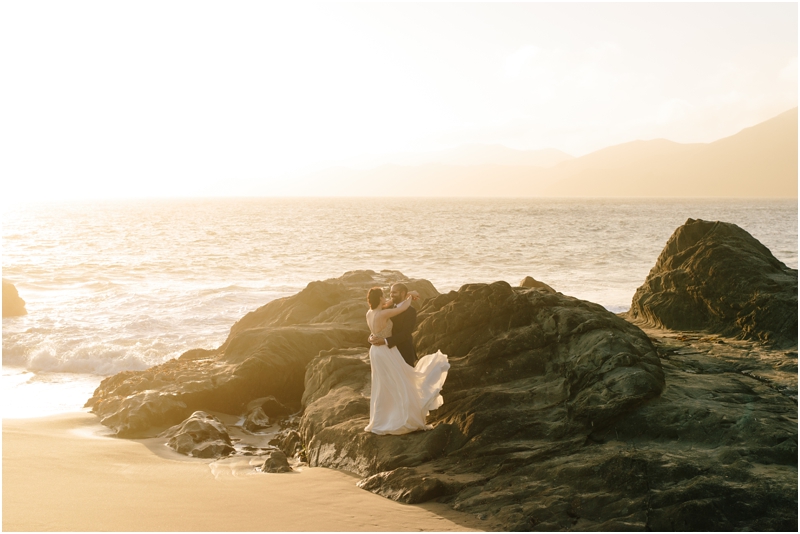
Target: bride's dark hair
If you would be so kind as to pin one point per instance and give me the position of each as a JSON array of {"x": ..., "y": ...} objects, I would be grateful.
[{"x": 374, "y": 297}]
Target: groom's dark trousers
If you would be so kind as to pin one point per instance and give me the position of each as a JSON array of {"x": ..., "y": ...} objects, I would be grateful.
[{"x": 403, "y": 326}]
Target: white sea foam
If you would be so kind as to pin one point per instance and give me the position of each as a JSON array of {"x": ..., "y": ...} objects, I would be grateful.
[
  {"x": 27, "y": 394},
  {"x": 125, "y": 285},
  {"x": 93, "y": 358}
]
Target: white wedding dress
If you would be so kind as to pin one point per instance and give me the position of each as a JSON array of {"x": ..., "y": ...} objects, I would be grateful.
[{"x": 403, "y": 395}]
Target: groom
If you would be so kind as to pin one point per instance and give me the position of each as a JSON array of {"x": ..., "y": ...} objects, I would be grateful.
[{"x": 403, "y": 326}]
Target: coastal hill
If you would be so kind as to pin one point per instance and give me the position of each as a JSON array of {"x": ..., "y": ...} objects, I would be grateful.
[
  {"x": 760, "y": 161},
  {"x": 757, "y": 162},
  {"x": 431, "y": 180},
  {"x": 469, "y": 154}
]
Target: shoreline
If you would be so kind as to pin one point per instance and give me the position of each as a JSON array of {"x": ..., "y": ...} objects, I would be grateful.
[{"x": 65, "y": 472}]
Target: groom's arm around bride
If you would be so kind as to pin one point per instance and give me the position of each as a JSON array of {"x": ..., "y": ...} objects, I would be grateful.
[{"x": 403, "y": 327}]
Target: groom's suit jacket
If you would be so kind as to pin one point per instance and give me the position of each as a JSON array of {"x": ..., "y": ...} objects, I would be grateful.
[{"x": 403, "y": 326}]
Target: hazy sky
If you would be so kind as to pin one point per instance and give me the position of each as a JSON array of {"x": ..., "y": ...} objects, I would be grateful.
[{"x": 184, "y": 98}]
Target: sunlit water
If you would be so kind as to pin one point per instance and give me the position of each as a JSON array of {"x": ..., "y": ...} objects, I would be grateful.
[{"x": 125, "y": 285}]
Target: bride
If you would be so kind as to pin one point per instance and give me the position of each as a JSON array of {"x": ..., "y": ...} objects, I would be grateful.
[{"x": 401, "y": 395}]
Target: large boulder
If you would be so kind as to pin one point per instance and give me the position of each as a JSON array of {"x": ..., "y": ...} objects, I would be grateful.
[
  {"x": 716, "y": 277},
  {"x": 13, "y": 305},
  {"x": 265, "y": 354},
  {"x": 556, "y": 417},
  {"x": 201, "y": 435},
  {"x": 533, "y": 374}
]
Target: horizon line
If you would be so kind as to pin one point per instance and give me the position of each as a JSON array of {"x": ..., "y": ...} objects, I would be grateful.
[{"x": 381, "y": 197}]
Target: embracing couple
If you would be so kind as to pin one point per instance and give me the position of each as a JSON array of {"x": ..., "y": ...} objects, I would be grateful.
[{"x": 404, "y": 390}]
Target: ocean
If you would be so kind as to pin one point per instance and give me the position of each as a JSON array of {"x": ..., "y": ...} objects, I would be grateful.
[{"x": 123, "y": 285}]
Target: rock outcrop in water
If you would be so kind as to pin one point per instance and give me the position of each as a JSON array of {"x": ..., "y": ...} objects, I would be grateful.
[
  {"x": 716, "y": 277},
  {"x": 13, "y": 305},
  {"x": 265, "y": 354}
]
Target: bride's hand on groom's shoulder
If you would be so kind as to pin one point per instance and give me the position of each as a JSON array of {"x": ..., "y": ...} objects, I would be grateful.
[{"x": 413, "y": 294}]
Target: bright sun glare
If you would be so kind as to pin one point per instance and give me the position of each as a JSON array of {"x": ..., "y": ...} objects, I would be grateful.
[{"x": 112, "y": 99}]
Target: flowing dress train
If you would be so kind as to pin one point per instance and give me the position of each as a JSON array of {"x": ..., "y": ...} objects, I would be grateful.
[{"x": 402, "y": 395}]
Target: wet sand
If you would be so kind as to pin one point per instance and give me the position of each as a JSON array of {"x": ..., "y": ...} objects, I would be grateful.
[{"x": 66, "y": 473}]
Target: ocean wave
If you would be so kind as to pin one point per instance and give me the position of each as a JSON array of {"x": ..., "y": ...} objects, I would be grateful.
[
  {"x": 91, "y": 359},
  {"x": 157, "y": 280}
]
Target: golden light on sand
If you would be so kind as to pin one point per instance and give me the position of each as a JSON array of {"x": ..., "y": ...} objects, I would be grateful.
[{"x": 142, "y": 485}]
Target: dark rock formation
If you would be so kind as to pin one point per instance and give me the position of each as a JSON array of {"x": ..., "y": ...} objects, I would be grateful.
[
  {"x": 558, "y": 414},
  {"x": 265, "y": 354},
  {"x": 530, "y": 281},
  {"x": 201, "y": 435},
  {"x": 533, "y": 375},
  {"x": 554, "y": 419},
  {"x": 716, "y": 277},
  {"x": 275, "y": 462},
  {"x": 271, "y": 407},
  {"x": 288, "y": 441},
  {"x": 13, "y": 305},
  {"x": 256, "y": 420},
  {"x": 718, "y": 449}
]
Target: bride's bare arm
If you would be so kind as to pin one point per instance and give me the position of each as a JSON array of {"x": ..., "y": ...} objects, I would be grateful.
[{"x": 391, "y": 312}]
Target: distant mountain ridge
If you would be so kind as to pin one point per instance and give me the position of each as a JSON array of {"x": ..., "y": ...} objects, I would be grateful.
[
  {"x": 469, "y": 154},
  {"x": 758, "y": 162}
]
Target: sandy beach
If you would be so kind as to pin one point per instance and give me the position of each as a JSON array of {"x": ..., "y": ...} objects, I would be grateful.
[{"x": 66, "y": 473}]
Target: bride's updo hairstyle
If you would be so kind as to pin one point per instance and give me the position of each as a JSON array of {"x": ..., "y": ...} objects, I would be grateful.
[{"x": 374, "y": 297}]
